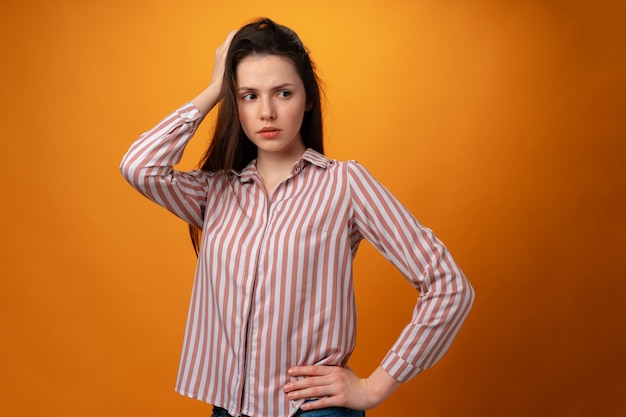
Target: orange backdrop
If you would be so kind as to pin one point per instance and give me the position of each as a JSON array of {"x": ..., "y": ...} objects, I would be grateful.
[{"x": 501, "y": 125}]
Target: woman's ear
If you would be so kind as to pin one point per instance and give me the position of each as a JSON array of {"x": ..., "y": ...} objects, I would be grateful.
[{"x": 309, "y": 105}]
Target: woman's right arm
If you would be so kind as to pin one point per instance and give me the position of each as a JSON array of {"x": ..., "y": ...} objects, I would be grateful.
[{"x": 148, "y": 164}]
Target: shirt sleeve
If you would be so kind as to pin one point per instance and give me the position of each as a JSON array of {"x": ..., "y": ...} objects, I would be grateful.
[
  {"x": 148, "y": 166},
  {"x": 445, "y": 294}
]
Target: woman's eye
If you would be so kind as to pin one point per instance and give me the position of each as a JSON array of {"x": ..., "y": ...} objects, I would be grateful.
[
  {"x": 248, "y": 96},
  {"x": 284, "y": 94}
]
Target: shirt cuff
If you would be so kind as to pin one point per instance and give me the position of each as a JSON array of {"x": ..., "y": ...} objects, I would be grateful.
[
  {"x": 398, "y": 368},
  {"x": 189, "y": 113}
]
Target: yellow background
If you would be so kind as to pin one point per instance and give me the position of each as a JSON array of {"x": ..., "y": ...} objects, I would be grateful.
[{"x": 500, "y": 124}]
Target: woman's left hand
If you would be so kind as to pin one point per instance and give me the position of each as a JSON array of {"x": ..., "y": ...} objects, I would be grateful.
[{"x": 333, "y": 386}]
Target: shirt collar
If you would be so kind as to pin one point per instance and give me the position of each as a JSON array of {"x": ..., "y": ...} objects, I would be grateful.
[{"x": 310, "y": 156}]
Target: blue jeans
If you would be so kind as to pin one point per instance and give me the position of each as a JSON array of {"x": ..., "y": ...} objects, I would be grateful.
[
  {"x": 324, "y": 412},
  {"x": 331, "y": 412}
]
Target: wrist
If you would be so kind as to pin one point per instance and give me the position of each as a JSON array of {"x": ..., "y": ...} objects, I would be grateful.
[{"x": 380, "y": 386}]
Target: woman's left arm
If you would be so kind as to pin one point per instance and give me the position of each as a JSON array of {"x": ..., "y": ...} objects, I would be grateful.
[{"x": 445, "y": 300}]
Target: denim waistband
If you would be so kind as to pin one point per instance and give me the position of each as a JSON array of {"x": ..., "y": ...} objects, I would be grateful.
[
  {"x": 330, "y": 412},
  {"x": 220, "y": 412}
]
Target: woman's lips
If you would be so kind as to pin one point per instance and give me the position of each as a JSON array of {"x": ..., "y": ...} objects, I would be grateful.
[{"x": 269, "y": 133}]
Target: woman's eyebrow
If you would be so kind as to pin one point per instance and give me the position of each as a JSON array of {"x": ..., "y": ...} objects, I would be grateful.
[
  {"x": 278, "y": 87},
  {"x": 284, "y": 85}
]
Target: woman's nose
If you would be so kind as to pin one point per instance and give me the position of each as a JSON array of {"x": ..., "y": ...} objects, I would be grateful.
[{"x": 267, "y": 110}]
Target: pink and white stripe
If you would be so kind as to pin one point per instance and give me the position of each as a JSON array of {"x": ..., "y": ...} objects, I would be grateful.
[{"x": 273, "y": 286}]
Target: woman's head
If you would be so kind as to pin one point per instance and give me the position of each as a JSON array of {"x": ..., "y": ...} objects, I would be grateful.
[{"x": 230, "y": 148}]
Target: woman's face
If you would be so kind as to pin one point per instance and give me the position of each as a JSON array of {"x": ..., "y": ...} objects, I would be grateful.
[{"x": 271, "y": 101}]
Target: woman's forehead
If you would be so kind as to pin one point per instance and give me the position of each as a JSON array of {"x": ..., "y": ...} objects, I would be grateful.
[{"x": 255, "y": 71}]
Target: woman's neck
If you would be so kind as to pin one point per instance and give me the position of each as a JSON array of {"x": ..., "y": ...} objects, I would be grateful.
[{"x": 274, "y": 167}]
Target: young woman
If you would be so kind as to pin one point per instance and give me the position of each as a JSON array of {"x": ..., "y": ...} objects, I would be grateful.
[{"x": 272, "y": 317}]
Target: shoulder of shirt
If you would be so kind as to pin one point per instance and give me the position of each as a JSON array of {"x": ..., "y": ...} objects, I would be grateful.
[{"x": 322, "y": 161}]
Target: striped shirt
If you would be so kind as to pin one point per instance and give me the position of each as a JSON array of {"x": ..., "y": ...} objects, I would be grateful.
[{"x": 273, "y": 286}]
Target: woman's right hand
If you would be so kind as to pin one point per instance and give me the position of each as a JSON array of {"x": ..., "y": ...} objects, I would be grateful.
[
  {"x": 220, "y": 60},
  {"x": 207, "y": 99}
]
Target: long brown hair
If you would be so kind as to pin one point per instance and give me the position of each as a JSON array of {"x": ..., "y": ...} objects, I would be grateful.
[{"x": 230, "y": 149}]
